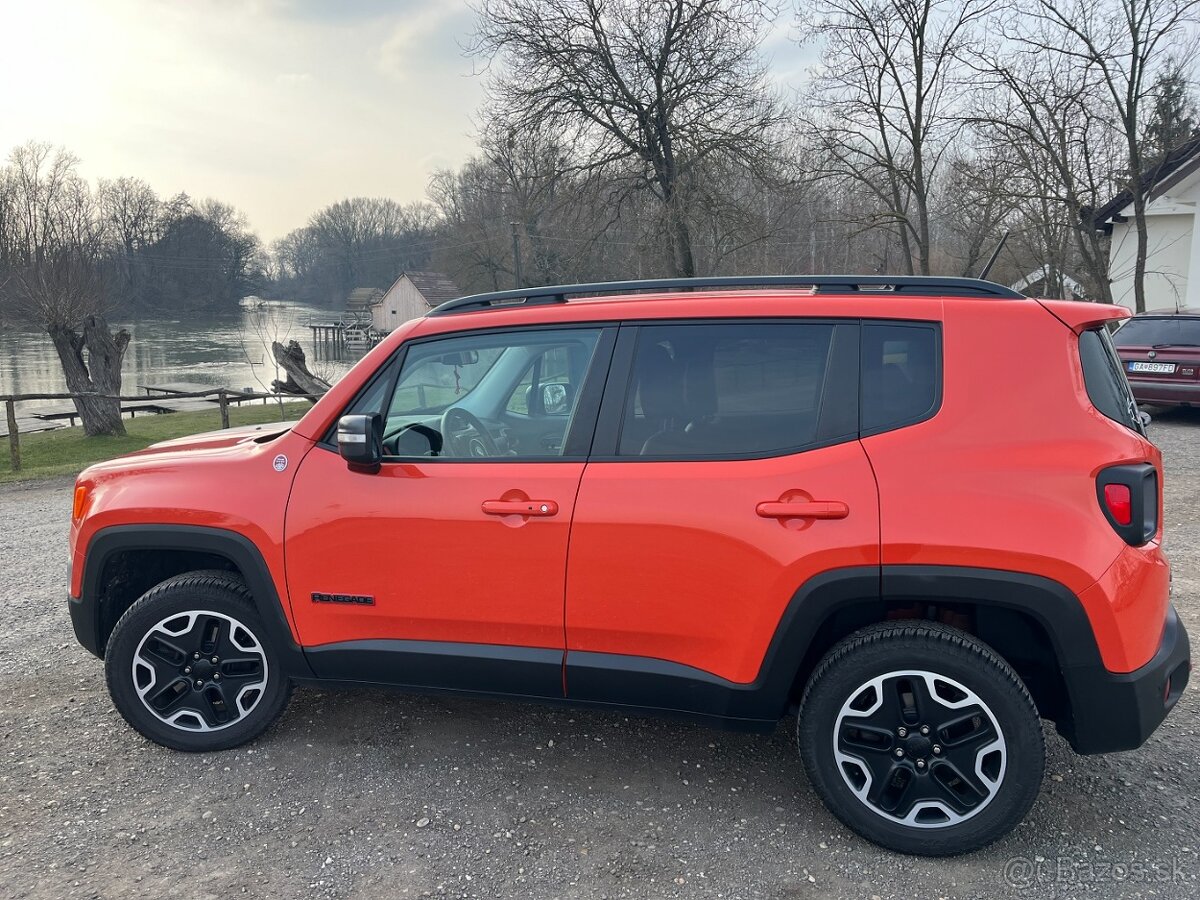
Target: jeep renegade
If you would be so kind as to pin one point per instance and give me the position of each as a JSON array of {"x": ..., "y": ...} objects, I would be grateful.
[{"x": 718, "y": 498}]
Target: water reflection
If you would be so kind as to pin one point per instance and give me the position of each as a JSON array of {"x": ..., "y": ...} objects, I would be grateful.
[{"x": 227, "y": 350}]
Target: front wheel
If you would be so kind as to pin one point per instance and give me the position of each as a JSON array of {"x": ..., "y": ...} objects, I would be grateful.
[
  {"x": 188, "y": 665},
  {"x": 920, "y": 738}
]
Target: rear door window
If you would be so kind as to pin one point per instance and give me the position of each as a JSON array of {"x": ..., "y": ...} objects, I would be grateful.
[{"x": 726, "y": 389}]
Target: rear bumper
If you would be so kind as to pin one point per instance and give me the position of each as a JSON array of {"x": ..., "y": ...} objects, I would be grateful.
[
  {"x": 1118, "y": 711},
  {"x": 1165, "y": 393}
]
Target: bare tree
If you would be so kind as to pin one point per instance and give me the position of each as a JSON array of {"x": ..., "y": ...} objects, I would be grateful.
[
  {"x": 1050, "y": 112},
  {"x": 1127, "y": 43},
  {"x": 56, "y": 278},
  {"x": 887, "y": 95},
  {"x": 645, "y": 91}
]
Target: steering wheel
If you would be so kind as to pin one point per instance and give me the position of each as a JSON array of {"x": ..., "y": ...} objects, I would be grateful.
[{"x": 465, "y": 435}]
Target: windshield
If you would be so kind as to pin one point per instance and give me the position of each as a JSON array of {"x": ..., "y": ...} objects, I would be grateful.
[
  {"x": 1167, "y": 331},
  {"x": 431, "y": 384}
]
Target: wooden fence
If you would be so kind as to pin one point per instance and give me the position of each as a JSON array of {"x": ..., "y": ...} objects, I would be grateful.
[{"x": 223, "y": 395}]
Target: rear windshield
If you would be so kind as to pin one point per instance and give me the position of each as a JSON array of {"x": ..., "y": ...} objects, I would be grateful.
[
  {"x": 1105, "y": 379},
  {"x": 1149, "y": 332}
]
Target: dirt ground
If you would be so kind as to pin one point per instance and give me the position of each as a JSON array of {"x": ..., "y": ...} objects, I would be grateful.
[{"x": 374, "y": 794}]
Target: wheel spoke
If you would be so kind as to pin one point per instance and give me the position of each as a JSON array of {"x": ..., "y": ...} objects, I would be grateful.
[
  {"x": 213, "y": 630},
  {"x": 966, "y": 732},
  {"x": 896, "y": 790},
  {"x": 857, "y": 736},
  {"x": 169, "y": 697},
  {"x": 163, "y": 649},
  {"x": 216, "y": 707},
  {"x": 958, "y": 789}
]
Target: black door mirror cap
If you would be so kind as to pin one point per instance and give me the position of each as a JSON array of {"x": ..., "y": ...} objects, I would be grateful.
[{"x": 360, "y": 442}]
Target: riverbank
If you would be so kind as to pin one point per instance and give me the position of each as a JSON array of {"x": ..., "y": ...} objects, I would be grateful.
[{"x": 69, "y": 451}]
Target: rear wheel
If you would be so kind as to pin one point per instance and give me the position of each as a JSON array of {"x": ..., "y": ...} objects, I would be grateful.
[
  {"x": 921, "y": 739},
  {"x": 188, "y": 665}
]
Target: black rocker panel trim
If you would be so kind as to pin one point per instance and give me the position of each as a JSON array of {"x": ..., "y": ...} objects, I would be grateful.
[
  {"x": 238, "y": 549},
  {"x": 492, "y": 669}
]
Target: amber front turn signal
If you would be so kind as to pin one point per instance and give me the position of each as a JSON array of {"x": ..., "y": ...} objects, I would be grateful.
[{"x": 80, "y": 504}]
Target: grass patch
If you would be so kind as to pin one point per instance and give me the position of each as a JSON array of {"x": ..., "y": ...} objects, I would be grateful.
[{"x": 68, "y": 451}]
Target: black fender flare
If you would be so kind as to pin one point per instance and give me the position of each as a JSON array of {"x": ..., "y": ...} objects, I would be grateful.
[
  {"x": 236, "y": 548},
  {"x": 868, "y": 591}
]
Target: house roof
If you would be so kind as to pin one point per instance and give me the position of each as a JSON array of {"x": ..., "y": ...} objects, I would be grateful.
[
  {"x": 434, "y": 286},
  {"x": 1157, "y": 179},
  {"x": 363, "y": 297},
  {"x": 1039, "y": 275}
]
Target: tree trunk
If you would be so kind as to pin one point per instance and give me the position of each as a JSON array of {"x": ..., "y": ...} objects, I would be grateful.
[
  {"x": 99, "y": 374},
  {"x": 1143, "y": 241},
  {"x": 299, "y": 379}
]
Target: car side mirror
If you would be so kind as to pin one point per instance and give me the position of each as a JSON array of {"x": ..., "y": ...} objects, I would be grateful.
[
  {"x": 1144, "y": 418},
  {"x": 360, "y": 442},
  {"x": 556, "y": 398}
]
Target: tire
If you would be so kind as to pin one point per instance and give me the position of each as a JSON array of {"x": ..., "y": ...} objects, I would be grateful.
[
  {"x": 962, "y": 785},
  {"x": 160, "y": 672}
]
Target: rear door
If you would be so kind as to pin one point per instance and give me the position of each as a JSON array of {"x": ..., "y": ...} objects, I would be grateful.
[{"x": 725, "y": 474}]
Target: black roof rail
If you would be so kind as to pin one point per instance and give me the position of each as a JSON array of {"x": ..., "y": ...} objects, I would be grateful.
[{"x": 933, "y": 286}]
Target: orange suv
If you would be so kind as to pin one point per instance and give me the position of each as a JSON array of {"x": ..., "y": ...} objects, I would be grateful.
[{"x": 725, "y": 498}]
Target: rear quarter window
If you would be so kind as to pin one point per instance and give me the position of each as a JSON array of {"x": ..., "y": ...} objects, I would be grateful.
[
  {"x": 1107, "y": 386},
  {"x": 901, "y": 375}
]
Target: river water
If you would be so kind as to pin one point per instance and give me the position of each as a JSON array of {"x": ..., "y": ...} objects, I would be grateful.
[{"x": 232, "y": 350}]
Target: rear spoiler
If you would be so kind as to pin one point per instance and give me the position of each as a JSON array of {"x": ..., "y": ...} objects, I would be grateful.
[{"x": 1080, "y": 316}]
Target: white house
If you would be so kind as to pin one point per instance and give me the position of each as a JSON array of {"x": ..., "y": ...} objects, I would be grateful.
[
  {"x": 1173, "y": 250},
  {"x": 411, "y": 295}
]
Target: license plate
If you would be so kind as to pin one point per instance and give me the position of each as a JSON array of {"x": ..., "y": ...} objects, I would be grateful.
[{"x": 1163, "y": 368}]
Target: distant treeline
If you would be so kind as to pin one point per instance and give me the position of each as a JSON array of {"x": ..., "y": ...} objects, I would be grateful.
[{"x": 131, "y": 249}]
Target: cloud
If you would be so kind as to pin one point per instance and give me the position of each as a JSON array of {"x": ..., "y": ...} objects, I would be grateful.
[{"x": 425, "y": 35}]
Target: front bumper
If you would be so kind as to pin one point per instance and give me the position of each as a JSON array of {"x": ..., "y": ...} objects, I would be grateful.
[
  {"x": 85, "y": 622},
  {"x": 1118, "y": 711}
]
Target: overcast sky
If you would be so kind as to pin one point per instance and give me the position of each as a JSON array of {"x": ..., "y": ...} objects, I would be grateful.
[{"x": 279, "y": 107}]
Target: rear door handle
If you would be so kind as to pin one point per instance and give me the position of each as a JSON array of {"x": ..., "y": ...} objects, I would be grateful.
[
  {"x": 520, "y": 507},
  {"x": 803, "y": 509}
]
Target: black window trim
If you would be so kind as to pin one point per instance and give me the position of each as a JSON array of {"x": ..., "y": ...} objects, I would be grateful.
[
  {"x": 613, "y": 408},
  {"x": 583, "y": 423},
  {"x": 938, "y": 378}
]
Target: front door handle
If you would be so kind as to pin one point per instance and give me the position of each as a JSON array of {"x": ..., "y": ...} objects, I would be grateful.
[
  {"x": 803, "y": 509},
  {"x": 520, "y": 507}
]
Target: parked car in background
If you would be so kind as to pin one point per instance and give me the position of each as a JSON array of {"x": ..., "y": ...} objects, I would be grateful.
[{"x": 1160, "y": 352}]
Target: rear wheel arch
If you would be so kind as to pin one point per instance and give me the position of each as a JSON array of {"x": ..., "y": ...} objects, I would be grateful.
[
  {"x": 123, "y": 562},
  {"x": 1036, "y": 624}
]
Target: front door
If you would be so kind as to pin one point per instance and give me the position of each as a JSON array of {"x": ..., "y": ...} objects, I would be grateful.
[
  {"x": 728, "y": 474},
  {"x": 447, "y": 566}
]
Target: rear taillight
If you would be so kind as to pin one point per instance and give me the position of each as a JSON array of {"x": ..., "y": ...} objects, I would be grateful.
[
  {"x": 1128, "y": 496},
  {"x": 1118, "y": 500}
]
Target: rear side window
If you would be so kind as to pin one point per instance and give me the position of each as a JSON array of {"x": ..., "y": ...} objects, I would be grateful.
[
  {"x": 725, "y": 389},
  {"x": 901, "y": 375},
  {"x": 1107, "y": 386},
  {"x": 1172, "y": 331}
]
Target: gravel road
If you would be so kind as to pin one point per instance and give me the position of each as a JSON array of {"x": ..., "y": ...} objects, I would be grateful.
[{"x": 378, "y": 794}]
